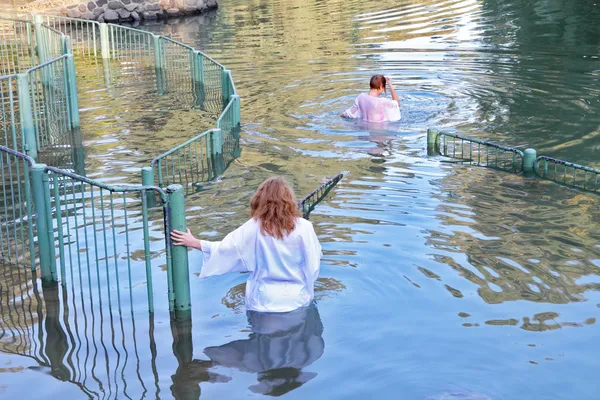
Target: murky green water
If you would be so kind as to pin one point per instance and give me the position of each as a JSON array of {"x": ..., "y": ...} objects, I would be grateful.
[{"x": 439, "y": 281}]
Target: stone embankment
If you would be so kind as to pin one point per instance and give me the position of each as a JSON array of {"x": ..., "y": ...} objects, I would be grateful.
[{"x": 121, "y": 10}]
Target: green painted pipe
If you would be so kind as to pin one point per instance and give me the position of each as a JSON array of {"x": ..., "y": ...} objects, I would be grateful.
[
  {"x": 529, "y": 157},
  {"x": 179, "y": 254},
  {"x": 104, "y": 42},
  {"x": 158, "y": 65},
  {"x": 72, "y": 92},
  {"x": 225, "y": 87},
  {"x": 37, "y": 183},
  {"x": 432, "y": 138},
  {"x": 30, "y": 142},
  {"x": 148, "y": 180}
]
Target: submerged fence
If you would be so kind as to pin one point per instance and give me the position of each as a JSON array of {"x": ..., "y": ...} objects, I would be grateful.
[
  {"x": 104, "y": 240},
  {"x": 38, "y": 97},
  {"x": 487, "y": 154}
]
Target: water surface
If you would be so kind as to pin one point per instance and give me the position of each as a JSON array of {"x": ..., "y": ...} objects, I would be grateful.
[{"x": 439, "y": 281}]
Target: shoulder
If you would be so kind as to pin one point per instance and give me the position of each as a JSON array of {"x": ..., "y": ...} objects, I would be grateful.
[
  {"x": 304, "y": 225},
  {"x": 389, "y": 102}
]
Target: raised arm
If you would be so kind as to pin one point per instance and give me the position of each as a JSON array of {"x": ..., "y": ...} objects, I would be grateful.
[{"x": 392, "y": 90}]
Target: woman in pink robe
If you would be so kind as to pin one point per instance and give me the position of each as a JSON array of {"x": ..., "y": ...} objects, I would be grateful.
[{"x": 372, "y": 108}]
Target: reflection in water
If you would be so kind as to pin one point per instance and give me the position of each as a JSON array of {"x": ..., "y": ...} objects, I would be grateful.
[
  {"x": 89, "y": 345},
  {"x": 280, "y": 346}
]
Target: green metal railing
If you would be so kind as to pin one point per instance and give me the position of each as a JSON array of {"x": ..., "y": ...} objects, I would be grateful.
[
  {"x": 486, "y": 154},
  {"x": 81, "y": 232},
  {"x": 17, "y": 227},
  {"x": 39, "y": 105},
  {"x": 477, "y": 152},
  {"x": 569, "y": 174},
  {"x": 310, "y": 201},
  {"x": 88, "y": 234},
  {"x": 17, "y": 46}
]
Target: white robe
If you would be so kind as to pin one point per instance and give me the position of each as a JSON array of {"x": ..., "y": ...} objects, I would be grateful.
[{"x": 282, "y": 272}]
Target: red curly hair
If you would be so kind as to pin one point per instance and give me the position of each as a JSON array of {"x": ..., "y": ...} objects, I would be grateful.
[{"x": 275, "y": 206}]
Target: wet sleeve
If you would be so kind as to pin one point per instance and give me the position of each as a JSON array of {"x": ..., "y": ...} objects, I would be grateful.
[
  {"x": 352, "y": 112},
  {"x": 312, "y": 254},
  {"x": 391, "y": 108},
  {"x": 227, "y": 255}
]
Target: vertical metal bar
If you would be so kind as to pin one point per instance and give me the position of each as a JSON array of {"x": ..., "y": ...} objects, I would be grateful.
[
  {"x": 147, "y": 257},
  {"x": 72, "y": 92},
  {"x": 30, "y": 144},
  {"x": 61, "y": 246},
  {"x": 181, "y": 280},
  {"x": 37, "y": 173}
]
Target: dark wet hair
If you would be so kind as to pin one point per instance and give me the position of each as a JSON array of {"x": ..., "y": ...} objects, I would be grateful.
[{"x": 377, "y": 82}]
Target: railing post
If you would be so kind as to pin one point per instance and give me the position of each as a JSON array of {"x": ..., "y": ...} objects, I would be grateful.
[
  {"x": 158, "y": 65},
  {"x": 529, "y": 157},
  {"x": 47, "y": 264},
  {"x": 236, "y": 110},
  {"x": 72, "y": 91},
  {"x": 39, "y": 39},
  {"x": 198, "y": 78},
  {"x": 179, "y": 254},
  {"x": 148, "y": 180},
  {"x": 30, "y": 143},
  {"x": 216, "y": 142},
  {"x": 432, "y": 138},
  {"x": 104, "y": 42},
  {"x": 225, "y": 86}
]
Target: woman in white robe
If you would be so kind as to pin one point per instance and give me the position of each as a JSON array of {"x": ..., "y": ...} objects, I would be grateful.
[{"x": 276, "y": 246}]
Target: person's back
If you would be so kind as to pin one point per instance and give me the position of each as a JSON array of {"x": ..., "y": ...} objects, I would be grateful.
[
  {"x": 279, "y": 249},
  {"x": 280, "y": 280},
  {"x": 372, "y": 108}
]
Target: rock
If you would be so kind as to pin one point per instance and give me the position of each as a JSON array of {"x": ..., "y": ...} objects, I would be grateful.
[
  {"x": 87, "y": 15},
  {"x": 131, "y": 7},
  {"x": 173, "y": 12},
  {"x": 97, "y": 12},
  {"x": 115, "y": 5},
  {"x": 211, "y": 3},
  {"x": 139, "y": 1},
  {"x": 100, "y": 19},
  {"x": 191, "y": 3},
  {"x": 124, "y": 14},
  {"x": 110, "y": 15},
  {"x": 190, "y": 9},
  {"x": 74, "y": 13},
  {"x": 164, "y": 3},
  {"x": 126, "y": 1},
  {"x": 91, "y": 5},
  {"x": 82, "y": 8},
  {"x": 135, "y": 16},
  {"x": 101, "y": 3},
  {"x": 72, "y": 6},
  {"x": 149, "y": 15},
  {"x": 152, "y": 7}
]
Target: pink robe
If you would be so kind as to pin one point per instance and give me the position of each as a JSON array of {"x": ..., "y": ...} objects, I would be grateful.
[{"x": 374, "y": 109}]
